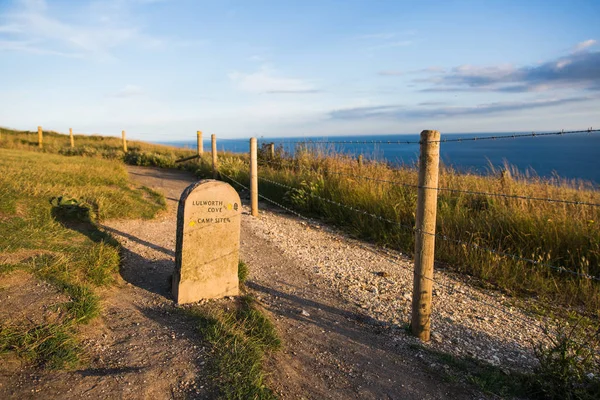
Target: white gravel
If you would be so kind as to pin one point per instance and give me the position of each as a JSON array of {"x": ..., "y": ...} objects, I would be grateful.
[{"x": 466, "y": 320}]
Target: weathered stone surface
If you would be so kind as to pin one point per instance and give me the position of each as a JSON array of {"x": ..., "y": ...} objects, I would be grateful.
[{"x": 208, "y": 242}]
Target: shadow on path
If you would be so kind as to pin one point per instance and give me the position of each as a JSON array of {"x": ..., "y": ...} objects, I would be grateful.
[
  {"x": 148, "y": 274},
  {"x": 140, "y": 241}
]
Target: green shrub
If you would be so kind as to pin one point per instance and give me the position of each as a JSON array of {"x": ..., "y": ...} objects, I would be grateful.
[
  {"x": 150, "y": 159},
  {"x": 85, "y": 151},
  {"x": 569, "y": 366}
]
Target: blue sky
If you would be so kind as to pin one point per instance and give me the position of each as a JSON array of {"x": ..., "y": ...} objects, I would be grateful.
[{"x": 162, "y": 69}]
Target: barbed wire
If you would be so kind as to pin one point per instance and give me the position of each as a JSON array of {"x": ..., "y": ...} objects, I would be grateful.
[
  {"x": 446, "y": 189},
  {"x": 470, "y": 139},
  {"x": 303, "y": 142},
  {"x": 514, "y": 136},
  {"x": 443, "y": 237},
  {"x": 263, "y": 197},
  {"x": 397, "y": 260}
]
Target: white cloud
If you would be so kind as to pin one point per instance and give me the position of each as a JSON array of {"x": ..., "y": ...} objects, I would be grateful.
[
  {"x": 428, "y": 70},
  {"x": 391, "y": 73},
  {"x": 38, "y": 28},
  {"x": 387, "y": 35},
  {"x": 267, "y": 80},
  {"x": 432, "y": 70},
  {"x": 10, "y": 28},
  {"x": 399, "y": 43},
  {"x": 494, "y": 71},
  {"x": 32, "y": 47},
  {"x": 384, "y": 36},
  {"x": 584, "y": 45},
  {"x": 129, "y": 91}
]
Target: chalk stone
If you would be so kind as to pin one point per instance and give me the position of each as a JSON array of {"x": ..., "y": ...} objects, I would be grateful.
[{"x": 208, "y": 242}]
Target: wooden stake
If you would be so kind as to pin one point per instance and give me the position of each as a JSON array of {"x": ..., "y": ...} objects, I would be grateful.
[
  {"x": 40, "y": 137},
  {"x": 429, "y": 161},
  {"x": 213, "y": 142},
  {"x": 71, "y": 137},
  {"x": 200, "y": 144},
  {"x": 360, "y": 160},
  {"x": 124, "y": 142},
  {"x": 272, "y": 151},
  {"x": 253, "y": 178}
]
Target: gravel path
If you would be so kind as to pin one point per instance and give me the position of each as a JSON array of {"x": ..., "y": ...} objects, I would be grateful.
[
  {"x": 333, "y": 348},
  {"x": 466, "y": 320}
]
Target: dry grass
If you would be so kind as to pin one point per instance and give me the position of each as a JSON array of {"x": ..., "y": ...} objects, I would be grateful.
[
  {"x": 562, "y": 235},
  {"x": 105, "y": 146}
]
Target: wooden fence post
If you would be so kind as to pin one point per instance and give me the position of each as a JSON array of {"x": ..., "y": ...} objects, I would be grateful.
[
  {"x": 40, "y": 137},
  {"x": 429, "y": 161},
  {"x": 200, "y": 144},
  {"x": 213, "y": 142},
  {"x": 272, "y": 151},
  {"x": 124, "y": 142},
  {"x": 71, "y": 137},
  {"x": 360, "y": 160},
  {"x": 253, "y": 178}
]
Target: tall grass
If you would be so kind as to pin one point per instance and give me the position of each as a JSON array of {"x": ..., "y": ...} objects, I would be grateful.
[
  {"x": 49, "y": 208},
  {"x": 562, "y": 235}
]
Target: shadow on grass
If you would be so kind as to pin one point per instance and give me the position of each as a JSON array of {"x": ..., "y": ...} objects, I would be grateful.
[
  {"x": 148, "y": 274},
  {"x": 80, "y": 217}
]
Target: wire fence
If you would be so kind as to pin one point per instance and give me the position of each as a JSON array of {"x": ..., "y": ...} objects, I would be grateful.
[
  {"x": 462, "y": 139},
  {"x": 438, "y": 236},
  {"x": 280, "y": 164},
  {"x": 393, "y": 258},
  {"x": 313, "y": 172}
]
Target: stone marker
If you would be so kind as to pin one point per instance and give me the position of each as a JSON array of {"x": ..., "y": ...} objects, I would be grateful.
[{"x": 208, "y": 242}]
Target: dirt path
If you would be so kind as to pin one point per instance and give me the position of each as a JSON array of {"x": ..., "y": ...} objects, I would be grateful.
[
  {"x": 141, "y": 348},
  {"x": 331, "y": 351}
]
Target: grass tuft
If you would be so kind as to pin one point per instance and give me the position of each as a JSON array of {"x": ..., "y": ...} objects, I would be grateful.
[
  {"x": 241, "y": 338},
  {"x": 51, "y": 345},
  {"x": 242, "y": 272}
]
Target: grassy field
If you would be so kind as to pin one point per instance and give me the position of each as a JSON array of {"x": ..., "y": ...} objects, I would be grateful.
[
  {"x": 562, "y": 235},
  {"x": 76, "y": 257},
  {"x": 139, "y": 153},
  {"x": 49, "y": 208},
  {"x": 557, "y": 234},
  {"x": 107, "y": 147}
]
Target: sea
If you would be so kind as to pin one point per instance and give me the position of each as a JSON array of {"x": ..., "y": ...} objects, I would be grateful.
[{"x": 570, "y": 156}]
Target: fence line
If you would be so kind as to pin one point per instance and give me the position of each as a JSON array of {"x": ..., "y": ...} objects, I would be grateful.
[
  {"x": 515, "y": 136},
  {"x": 441, "y": 189},
  {"x": 395, "y": 259},
  {"x": 443, "y": 237},
  {"x": 476, "y": 138},
  {"x": 423, "y": 271}
]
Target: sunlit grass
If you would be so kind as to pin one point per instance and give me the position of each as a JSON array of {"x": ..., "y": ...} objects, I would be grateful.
[
  {"x": 49, "y": 206},
  {"x": 562, "y": 235}
]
